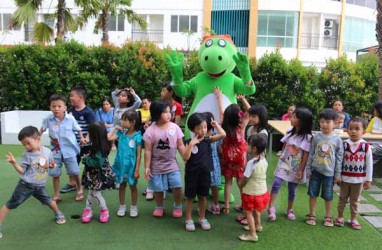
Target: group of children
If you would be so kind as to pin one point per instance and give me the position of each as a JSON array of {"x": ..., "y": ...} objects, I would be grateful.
[{"x": 235, "y": 150}]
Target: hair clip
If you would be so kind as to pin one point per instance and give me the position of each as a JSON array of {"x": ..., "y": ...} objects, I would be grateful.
[{"x": 240, "y": 114}]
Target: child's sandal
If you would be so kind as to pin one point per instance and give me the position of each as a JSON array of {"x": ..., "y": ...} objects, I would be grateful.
[
  {"x": 354, "y": 225},
  {"x": 60, "y": 218},
  {"x": 311, "y": 220},
  {"x": 339, "y": 222},
  {"x": 328, "y": 222},
  {"x": 225, "y": 210}
]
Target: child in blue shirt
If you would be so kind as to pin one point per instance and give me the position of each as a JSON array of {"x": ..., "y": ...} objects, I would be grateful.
[
  {"x": 33, "y": 169},
  {"x": 324, "y": 166}
]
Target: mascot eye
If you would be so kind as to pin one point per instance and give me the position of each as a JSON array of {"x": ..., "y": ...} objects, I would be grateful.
[
  {"x": 209, "y": 43},
  {"x": 221, "y": 43}
]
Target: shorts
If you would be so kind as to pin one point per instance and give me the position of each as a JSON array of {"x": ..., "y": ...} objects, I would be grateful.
[
  {"x": 318, "y": 181},
  {"x": 255, "y": 202},
  {"x": 162, "y": 182},
  {"x": 71, "y": 165},
  {"x": 24, "y": 190},
  {"x": 197, "y": 183}
]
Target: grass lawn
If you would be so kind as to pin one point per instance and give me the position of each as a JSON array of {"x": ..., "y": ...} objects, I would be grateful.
[{"x": 32, "y": 226}]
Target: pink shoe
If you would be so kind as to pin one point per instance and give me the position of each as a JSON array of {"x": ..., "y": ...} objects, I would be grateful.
[
  {"x": 104, "y": 215},
  {"x": 87, "y": 215},
  {"x": 177, "y": 212},
  {"x": 158, "y": 212},
  {"x": 272, "y": 214},
  {"x": 290, "y": 214}
]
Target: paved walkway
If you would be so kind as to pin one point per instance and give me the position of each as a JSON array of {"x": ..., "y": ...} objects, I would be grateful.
[{"x": 371, "y": 203}]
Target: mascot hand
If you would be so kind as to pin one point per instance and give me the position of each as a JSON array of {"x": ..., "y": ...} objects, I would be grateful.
[
  {"x": 176, "y": 66},
  {"x": 242, "y": 65}
]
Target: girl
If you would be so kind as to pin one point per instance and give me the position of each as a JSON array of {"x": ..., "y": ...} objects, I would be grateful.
[
  {"x": 375, "y": 127},
  {"x": 97, "y": 174},
  {"x": 162, "y": 139},
  {"x": 216, "y": 172},
  {"x": 124, "y": 100},
  {"x": 233, "y": 148},
  {"x": 105, "y": 115},
  {"x": 167, "y": 94},
  {"x": 198, "y": 157},
  {"x": 253, "y": 187},
  {"x": 291, "y": 165},
  {"x": 128, "y": 159},
  {"x": 288, "y": 116}
]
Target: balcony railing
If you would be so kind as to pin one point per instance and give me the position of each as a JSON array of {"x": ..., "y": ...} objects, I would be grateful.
[
  {"x": 155, "y": 36},
  {"x": 317, "y": 41}
]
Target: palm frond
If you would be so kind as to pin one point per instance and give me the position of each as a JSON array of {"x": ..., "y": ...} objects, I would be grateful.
[
  {"x": 134, "y": 17},
  {"x": 43, "y": 32},
  {"x": 35, "y": 3},
  {"x": 71, "y": 23},
  {"x": 24, "y": 14}
]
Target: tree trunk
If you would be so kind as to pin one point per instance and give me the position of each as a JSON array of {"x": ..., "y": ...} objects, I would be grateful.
[
  {"x": 379, "y": 38},
  {"x": 105, "y": 26},
  {"x": 60, "y": 20}
]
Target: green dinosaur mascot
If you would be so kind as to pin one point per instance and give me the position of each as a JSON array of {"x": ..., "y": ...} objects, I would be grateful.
[{"x": 217, "y": 57}]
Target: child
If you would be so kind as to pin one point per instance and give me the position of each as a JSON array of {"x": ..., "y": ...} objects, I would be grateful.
[
  {"x": 64, "y": 146},
  {"x": 324, "y": 164},
  {"x": 375, "y": 127},
  {"x": 253, "y": 187},
  {"x": 124, "y": 100},
  {"x": 233, "y": 148},
  {"x": 167, "y": 94},
  {"x": 145, "y": 109},
  {"x": 97, "y": 174},
  {"x": 162, "y": 139},
  {"x": 84, "y": 116},
  {"x": 216, "y": 172},
  {"x": 339, "y": 124},
  {"x": 338, "y": 106},
  {"x": 105, "y": 114},
  {"x": 128, "y": 159},
  {"x": 288, "y": 116},
  {"x": 357, "y": 171},
  {"x": 291, "y": 165},
  {"x": 198, "y": 157},
  {"x": 33, "y": 169}
]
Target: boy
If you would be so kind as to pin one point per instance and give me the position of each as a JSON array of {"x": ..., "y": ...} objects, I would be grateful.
[
  {"x": 339, "y": 124},
  {"x": 324, "y": 165},
  {"x": 84, "y": 117},
  {"x": 357, "y": 171},
  {"x": 33, "y": 169},
  {"x": 63, "y": 144}
]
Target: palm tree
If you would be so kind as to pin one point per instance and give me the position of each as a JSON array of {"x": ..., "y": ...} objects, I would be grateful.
[
  {"x": 42, "y": 31},
  {"x": 379, "y": 38},
  {"x": 102, "y": 15}
]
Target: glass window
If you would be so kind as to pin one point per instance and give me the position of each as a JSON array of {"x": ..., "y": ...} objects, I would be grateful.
[
  {"x": 121, "y": 23},
  {"x": 276, "y": 25},
  {"x": 358, "y": 40},
  {"x": 184, "y": 23},
  {"x": 174, "y": 23},
  {"x": 262, "y": 24},
  {"x": 113, "y": 23},
  {"x": 194, "y": 23},
  {"x": 6, "y": 21}
]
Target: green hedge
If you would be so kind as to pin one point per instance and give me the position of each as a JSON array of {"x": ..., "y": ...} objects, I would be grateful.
[{"x": 29, "y": 74}]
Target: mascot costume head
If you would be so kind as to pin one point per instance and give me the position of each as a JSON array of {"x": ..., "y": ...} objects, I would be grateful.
[{"x": 217, "y": 57}]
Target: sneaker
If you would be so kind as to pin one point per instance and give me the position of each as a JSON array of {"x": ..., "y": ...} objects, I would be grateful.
[
  {"x": 133, "y": 211},
  {"x": 212, "y": 208},
  {"x": 87, "y": 215},
  {"x": 190, "y": 226},
  {"x": 149, "y": 196},
  {"x": 104, "y": 215},
  {"x": 205, "y": 224},
  {"x": 272, "y": 214},
  {"x": 121, "y": 211},
  {"x": 158, "y": 212},
  {"x": 290, "y": 214},
  {"x": 249, "y": 238},
  {"x": 177, "y": 212},
  {"x": 67, "y": 188}
]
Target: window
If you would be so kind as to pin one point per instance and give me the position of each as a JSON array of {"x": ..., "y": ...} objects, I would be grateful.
[
  {"x": 365, "y": 37},
  {"x": 372, "y": 4},
  {"x": 277, "y": 29},
  {"x": 117, "y": 23},
  {"x": 4, "y": 21},
  {"x": 180, "y": 23}
]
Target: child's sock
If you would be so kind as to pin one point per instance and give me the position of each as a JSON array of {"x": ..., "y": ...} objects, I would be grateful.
[{"x": 178, "y": 206}]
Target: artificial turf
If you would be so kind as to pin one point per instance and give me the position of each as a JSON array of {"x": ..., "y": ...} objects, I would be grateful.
[{"x": 32, "y": 226}]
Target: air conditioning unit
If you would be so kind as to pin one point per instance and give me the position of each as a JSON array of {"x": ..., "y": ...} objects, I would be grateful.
[
  {"x": 328, "y": 33},
  {"x": 329, "y": 24}
]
